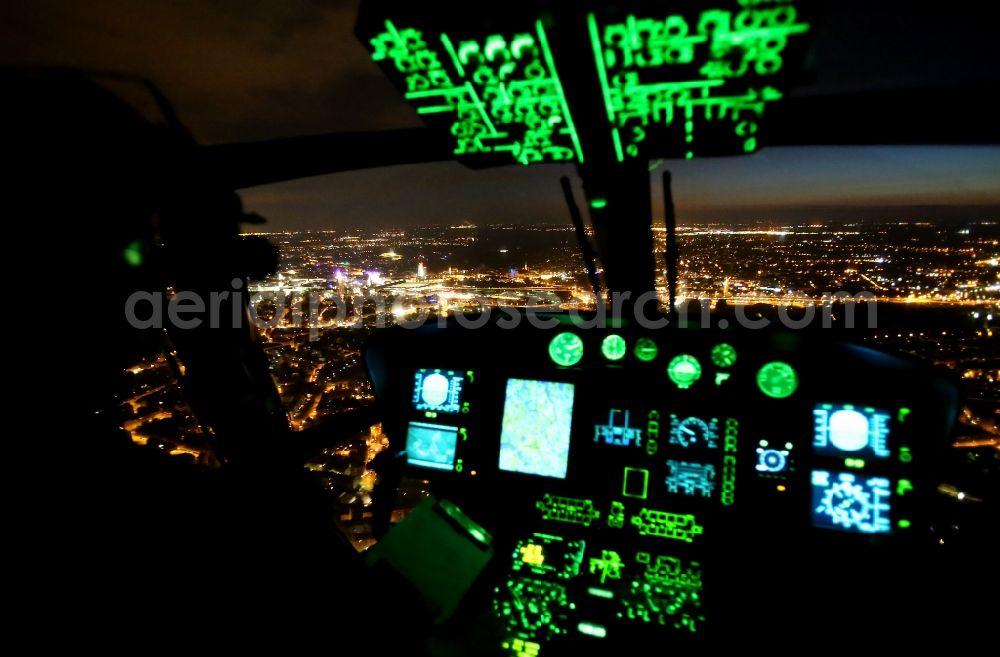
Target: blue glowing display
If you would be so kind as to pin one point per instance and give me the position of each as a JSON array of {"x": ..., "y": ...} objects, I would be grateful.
[
  {"x": 617, "y": 431},
  {"x": 694, "y": 432},
  {"x": 534, "y": 436},
  {"x": 691, "y": 478},
  {"x": 848, "y": 430},
  {"x": 772, "y": 460},
  {"x": 438, "y": 390},
  {"x": 849, "y": 502},
  {"x": 431, "y": 445}
]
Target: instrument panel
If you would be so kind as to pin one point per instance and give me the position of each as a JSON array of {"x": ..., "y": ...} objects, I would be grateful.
[{"x": 643, "y": 485}]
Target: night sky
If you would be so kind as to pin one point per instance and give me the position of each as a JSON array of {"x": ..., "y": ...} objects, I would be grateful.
[{"x": 241, "y": 70}]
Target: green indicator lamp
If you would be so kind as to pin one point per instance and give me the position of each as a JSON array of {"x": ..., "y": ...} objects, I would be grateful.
[
  {"x": 724, "y": 355},
  {"x": 903, "y": 523},
  {"x": 599, "y": 203},
  {"x": 684, "y": 370},
  {"x": 645, "y": 350},
  {"x": 777, "y": 380},
  {"x": 592, "y": 629},
  {"x": 566, "y": 349},
  {"x": 613, "y": 347},
  {"x": 133, "y": 254}
]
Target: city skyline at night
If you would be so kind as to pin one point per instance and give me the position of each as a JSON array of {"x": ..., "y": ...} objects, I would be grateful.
[
  {"x": 842, "y": 184},
  {"x": 936, "y": 287}
]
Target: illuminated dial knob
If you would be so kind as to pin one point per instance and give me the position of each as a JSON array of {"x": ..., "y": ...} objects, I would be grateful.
[
  {"x": 566, "y": 349},
  {"x": 684, "y": 370},
  {"x": 645, "y": 349},
  {"x": 777, "y": 380},
  {"x": 613, "y": 347},
  {"x": 724, "y": 355}
]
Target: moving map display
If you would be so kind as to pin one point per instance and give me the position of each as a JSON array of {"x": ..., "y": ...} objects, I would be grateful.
[{"x": 537, "y": 419}]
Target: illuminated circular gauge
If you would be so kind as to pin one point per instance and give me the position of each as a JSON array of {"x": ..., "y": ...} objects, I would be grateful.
[
  {"x": 692, "y": 431},
  {"x": 645, "y": 349},
  {"x": 848, "y": 430},
  {"x": 566, "y": 349},
  {"x": 724, "y": 355},
  {"x": 684, "y": 370},
  {"x": 434, "y": 390},
  {"x": 771, "y": 460},
  {"x": 777, "y": 380},
  {"x": 613, "y": 347}
]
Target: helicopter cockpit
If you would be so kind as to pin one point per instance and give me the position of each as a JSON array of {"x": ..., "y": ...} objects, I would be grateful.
[
  {"x": 641, "y": 473},
  {"x": 610, "y": 474}
]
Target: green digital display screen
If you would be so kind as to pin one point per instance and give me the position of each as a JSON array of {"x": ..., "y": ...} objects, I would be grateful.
[
  {"x": 528, "y": 83},
  {"x": 501, "y": 94},
  {"x": 673, "y": 78}
]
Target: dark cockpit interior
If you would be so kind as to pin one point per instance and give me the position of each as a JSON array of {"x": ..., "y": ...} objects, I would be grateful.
[{"x": 645, "y": 471}]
